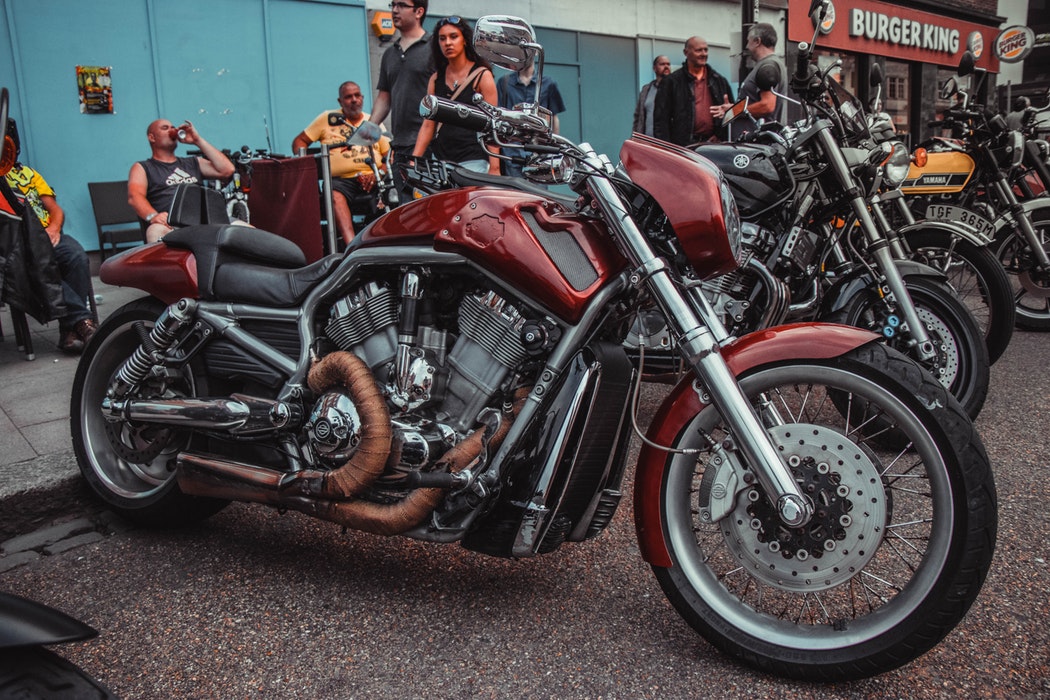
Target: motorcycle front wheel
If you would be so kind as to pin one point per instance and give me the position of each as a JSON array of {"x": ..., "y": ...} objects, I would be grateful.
[
  {"x": 900, "y": 543},
  {"x": 132, "y": 466},
  {"x": 1031, "y": 287},
  {"x": 978, "y": 279},
  {"x": 960, "y": 359}
]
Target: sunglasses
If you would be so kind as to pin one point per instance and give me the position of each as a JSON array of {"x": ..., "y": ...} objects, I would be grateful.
[
  {"x": 454, "y": 19},
  {"x": 402, "y": 6}
]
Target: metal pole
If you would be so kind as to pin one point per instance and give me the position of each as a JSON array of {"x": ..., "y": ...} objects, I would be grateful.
[{"x": 326, "y": 186}]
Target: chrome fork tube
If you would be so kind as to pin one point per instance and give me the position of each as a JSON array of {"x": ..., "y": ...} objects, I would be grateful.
[
  {"x": 878, "y": 246},
  {"x": 1023, "y": 223},
  {"x": 700, "y": 348}
]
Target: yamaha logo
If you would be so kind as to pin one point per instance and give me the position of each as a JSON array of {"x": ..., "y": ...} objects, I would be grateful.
[{"x": 741, "y": 161}]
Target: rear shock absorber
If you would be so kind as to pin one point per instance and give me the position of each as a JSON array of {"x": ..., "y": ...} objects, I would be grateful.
[{"x": 151, "y": 351}]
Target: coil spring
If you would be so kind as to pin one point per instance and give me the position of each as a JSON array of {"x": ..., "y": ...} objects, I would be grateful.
[{"x": 163, "y": 336}]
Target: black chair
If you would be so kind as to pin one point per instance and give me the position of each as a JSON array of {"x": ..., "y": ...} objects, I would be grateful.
[
  {"x": 23, "y": 338},
  {"x": 116, "y": 221}
]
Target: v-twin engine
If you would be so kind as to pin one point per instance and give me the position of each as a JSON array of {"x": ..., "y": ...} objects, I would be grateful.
[{"x": 437, "y": 383}]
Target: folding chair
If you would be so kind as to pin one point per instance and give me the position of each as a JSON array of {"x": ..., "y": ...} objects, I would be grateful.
[{"x": 116, "y": 221}]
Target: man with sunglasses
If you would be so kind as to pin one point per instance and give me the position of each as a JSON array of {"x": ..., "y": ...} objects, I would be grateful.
[{"x": 404, "y": 73}]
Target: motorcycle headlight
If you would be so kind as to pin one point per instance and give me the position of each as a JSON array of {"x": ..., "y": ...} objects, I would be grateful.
[
  {"x": 896, "y": 167},
  {"x": 732, "y": 216},
  {"x": 1015, "y": 147}
]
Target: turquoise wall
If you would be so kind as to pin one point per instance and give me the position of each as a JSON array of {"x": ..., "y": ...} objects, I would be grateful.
[
  {"x": 234, "y": 67},
  {"x": 246, "y": 72}
]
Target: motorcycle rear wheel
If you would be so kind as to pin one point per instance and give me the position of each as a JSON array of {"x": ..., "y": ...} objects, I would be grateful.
[
  {"x": 961, "y": 360},
  {"x": 979, "y": 280},
  {"x": 131, "y": 467},
  {"x": 880, "y": 583},
  {"x": 1031, "y": 288}
]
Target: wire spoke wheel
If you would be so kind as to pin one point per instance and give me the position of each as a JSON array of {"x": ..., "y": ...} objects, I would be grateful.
[{"x": 861, "y": 588}]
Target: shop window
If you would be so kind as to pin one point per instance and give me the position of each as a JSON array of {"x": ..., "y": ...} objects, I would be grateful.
[{"x": 897, "y": 95}]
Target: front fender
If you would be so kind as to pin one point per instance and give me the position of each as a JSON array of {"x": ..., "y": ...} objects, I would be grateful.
[
  {"x": 26, "y": 623},
  {"x": 1004, "y": 222},
  {"x": 967, "y": 233},
  {"x": 803, "y": 341},
  {"x": 836, "y": 297}
]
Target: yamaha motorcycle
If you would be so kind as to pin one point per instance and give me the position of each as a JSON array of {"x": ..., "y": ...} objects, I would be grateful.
[
  {"x": 819, "y": 247},
  {"x": 978, "y": 178},
  {"x": 458, "y": 376}
]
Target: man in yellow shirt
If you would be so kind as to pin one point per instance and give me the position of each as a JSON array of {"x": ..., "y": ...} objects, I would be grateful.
[
  {"x": 78, "y": 325},
  {"x": 352, "y": 176}
]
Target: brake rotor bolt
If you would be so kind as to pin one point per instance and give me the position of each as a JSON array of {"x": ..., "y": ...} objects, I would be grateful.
[
  {"x": 842, "y": 490},
  {"x": 845, "y": 521},
  {"x": 829, "y": 545},
  {"x": 756, "y": 524},
  {"x": 802, "y": 555},
  {"x": 823, "y": 468}
]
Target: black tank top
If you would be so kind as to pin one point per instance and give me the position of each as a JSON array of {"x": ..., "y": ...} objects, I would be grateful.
[
  {"x": 454, "y": 143},
  {"x": 163, "y": 178}
]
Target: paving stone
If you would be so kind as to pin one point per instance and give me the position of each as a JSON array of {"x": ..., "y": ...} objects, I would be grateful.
[
  {"x": 15, "y": 560},
  {"x": 73, "y": 542},
  {"x": 47, "y": 536}
]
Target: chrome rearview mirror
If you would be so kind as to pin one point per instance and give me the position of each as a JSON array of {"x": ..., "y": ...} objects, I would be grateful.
[{"x": 507, "y": 42}]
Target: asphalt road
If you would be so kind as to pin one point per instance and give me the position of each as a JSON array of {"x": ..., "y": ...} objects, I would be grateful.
[{"x": 254, "y": 604}]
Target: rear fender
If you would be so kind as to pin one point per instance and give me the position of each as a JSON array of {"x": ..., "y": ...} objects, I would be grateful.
[
  {"x": 804, "y": 341},
  {"x": 167, "y": 273}
]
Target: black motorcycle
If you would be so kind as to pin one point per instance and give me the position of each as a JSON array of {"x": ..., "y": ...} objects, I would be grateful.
[{"x": 818, "y": 248}]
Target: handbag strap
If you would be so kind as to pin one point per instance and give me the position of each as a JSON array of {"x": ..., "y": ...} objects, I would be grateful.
[{"x": 471, "y": 77}]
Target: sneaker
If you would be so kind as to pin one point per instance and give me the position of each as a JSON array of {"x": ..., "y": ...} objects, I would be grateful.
[
  {"x": 70, "y": 342},
  {"x": 86, "y": 329}
]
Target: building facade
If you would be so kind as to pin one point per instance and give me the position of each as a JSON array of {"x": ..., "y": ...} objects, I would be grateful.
[{"x": 255, "y": 72}]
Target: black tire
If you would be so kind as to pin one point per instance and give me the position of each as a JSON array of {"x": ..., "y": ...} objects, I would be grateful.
[
  {"x": 878, "y": 589},
  {"x": 978, "y": 279},
  {"x": 141, "y": 489},
  {"x": 1031, "y": 288},
  {"x": 34, "y": 673},
  {"x": 961, "y": 360}
]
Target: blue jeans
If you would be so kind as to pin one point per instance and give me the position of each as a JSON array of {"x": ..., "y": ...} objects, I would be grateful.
[{"x": 75, "y": 271}]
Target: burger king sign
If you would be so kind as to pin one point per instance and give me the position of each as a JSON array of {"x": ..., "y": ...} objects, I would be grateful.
[{"x": 1014, "y": 44}]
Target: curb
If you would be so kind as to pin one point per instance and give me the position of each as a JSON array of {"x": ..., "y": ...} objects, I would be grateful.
[{"x": 35, "y": 492}]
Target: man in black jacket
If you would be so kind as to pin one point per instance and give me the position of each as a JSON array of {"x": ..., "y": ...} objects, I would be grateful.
[{"x": 691, "y": 101}]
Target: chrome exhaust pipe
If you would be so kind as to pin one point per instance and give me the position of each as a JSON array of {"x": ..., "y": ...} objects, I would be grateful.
[{"x": 238, "y": 414}]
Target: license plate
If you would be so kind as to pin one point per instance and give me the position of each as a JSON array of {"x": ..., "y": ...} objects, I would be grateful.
[{"x": 946, "y": 212}]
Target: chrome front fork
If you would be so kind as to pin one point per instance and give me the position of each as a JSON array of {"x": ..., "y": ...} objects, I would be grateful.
[
  {"x": 698, "y": 341},
  {"x": 878, "y": 248}
]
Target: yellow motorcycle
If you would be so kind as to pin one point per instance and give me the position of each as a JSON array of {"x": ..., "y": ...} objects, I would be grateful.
[{"x": 968, "y": 180}]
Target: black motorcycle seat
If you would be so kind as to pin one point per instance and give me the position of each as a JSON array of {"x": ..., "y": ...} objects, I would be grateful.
[
  {"x": 249, "y": 283},
  {"x": 249, "y": 265},
  {"x": 472, "y": 178}
]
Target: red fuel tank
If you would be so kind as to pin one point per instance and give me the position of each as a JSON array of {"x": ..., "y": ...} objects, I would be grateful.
[{"x": 533, "y": 244}]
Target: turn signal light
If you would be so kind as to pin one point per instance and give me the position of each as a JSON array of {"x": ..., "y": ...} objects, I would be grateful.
[{"x": 919, "y": 157}]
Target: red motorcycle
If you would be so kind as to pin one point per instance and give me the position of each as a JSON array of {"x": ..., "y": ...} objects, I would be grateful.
[{"x": 811, "y": 501}]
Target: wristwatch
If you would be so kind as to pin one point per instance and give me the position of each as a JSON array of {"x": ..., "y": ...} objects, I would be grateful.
[{"x": 149, "y": 217}]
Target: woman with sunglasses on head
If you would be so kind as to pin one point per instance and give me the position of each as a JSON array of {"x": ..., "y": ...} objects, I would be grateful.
[{"x": 460, "y": 72}]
